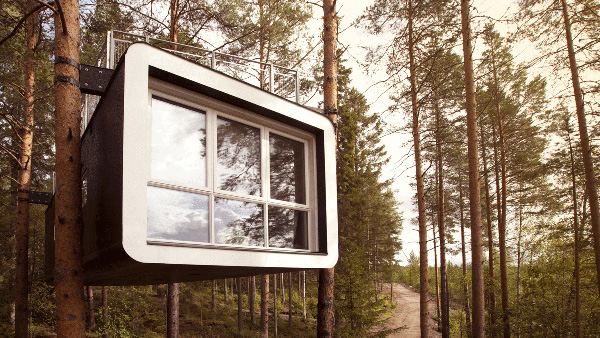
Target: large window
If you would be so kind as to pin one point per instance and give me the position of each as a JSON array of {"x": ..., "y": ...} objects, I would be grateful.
[{"x": 226, "y": 177}]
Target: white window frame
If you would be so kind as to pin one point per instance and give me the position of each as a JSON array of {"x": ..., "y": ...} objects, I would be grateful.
[{"x": 213, "y": 109}]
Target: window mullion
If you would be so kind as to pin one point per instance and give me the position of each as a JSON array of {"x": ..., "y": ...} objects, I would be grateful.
[
  {"x": 265, "y": 166},
  {"x": 211, "y": 155}
]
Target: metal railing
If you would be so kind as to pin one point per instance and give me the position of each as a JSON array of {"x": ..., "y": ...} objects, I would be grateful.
[{"x": 279, "y": 80}]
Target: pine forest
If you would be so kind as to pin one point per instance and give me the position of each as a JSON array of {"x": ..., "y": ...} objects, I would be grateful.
[{"x": 466, "y": 157}]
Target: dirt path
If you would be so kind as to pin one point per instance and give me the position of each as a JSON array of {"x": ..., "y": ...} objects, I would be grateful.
[{"x": 407, "y": 313}]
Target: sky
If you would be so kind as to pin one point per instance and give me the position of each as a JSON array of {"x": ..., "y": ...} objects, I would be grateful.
[{"x": 401, "y": 165}]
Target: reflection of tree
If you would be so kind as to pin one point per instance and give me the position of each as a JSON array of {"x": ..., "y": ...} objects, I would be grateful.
[
  {"x": 248, "y": 230},
  {"x": 238, "y": 155},
  {"x": 286, "y": 169},
  {"x": 287, "y": 228}
]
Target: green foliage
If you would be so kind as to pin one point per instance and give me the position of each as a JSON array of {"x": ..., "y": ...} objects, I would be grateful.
[{"x": 369, "y": 224}]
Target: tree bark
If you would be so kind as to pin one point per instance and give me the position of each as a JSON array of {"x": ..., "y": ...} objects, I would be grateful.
[
  {"x": 576, "y": 274},
  {"x": 264, "y": 306},
  {"x": 105, "y": 310},
  {"x": 240, "y": 306},
  {"x": 442, "y": 230},
  {"x": 490, "y": 233},
  {"x": 326, "y": 276},
  {"x": 590, "y": 178},
  {"x": 26, "y": 137},
  {"x": 174, "y": 23},
  {"x": 290, "y": 306},
  {"x": 304, "y": 294},
  {"x": 68, "y": 271},
  {"x": 252, "y": 299},
  {"x": 275, "y": 312},
  {"x": 213, "y": 294},
  {"x": 435, "y": 269},
  {"x": 422, "y": 217},
  {"x": 464, "y": 255},
  {"x": 502, "y": 219},
  {"x": 172, "y": 310},
  {"x": 91, "y": 315},
  {"x": 478, "y": 323}
]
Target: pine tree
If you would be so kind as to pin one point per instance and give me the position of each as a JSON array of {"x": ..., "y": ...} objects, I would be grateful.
[{"x": 369, "y": 224}]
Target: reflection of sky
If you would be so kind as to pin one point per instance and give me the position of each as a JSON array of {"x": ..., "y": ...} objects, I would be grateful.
[
  {"x": 238, "y": 222},
  {"x": 177, "y": 215},
  {"x": 178, "y": 144}
]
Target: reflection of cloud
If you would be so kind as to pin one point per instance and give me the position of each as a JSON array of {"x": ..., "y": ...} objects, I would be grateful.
[
  {"x": 177, "y": 215},
  {"x": 178, "y": 143},
  {"x": 235, "y": 222}
]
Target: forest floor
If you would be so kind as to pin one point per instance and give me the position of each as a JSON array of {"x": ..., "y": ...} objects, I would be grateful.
[{"x": 407, "y": 313}]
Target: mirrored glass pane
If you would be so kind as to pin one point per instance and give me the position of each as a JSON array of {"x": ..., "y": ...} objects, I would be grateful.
[
  {"x": 288, "y": 228},
  {"x": 239, "y": 223},
  {"x": 238, "y": 157},
  {"x": 287, "y": 169},
  {"x": 178, "y": 143},
  {"x": 177, "y": 215}
]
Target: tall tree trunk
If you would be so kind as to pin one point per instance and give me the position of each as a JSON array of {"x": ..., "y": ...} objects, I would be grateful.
[
  {"x": 435, "y": 267},
  {"x": 519, "y": 258},
  {"x": 474, "y": 193},
  {"x": 464, "y": 255},
  {"x": 264, "y": 306},
  {"x": 576, "y": 274},
  {"x": 290, "y": 306},
  {"x": 214, "y": 294},
  {"x": 26, "y": 137},
  {"x": 252, "y": 299},
  {"x": 105, "y": 310},
  {"x": 422, "y": 217},
  {"x": 282, "y": 284},
  {"x": 240, "y": 306},
  {"x": 304, "y": 294},
  {"x": 590, "y": 178},
  {"x": 225, "y": 298},
  {"x": 441, "y": 214},
  {"x": 174, "y": 22},
  {"x": 490, "y": 235},
  {"x": 275, "y": 312},
  {"x": 502, "y": 219},
  {"x": 326, "y": 276},
  {"x": 91, "y": 315},
  {"x": 172, "y": 310},
  {"x": 68, "y": 271}
]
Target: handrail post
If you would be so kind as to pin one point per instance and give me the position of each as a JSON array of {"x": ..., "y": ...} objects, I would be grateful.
[
  {"x": 213, "y": 61},
  {"x": 297, "y": 88},
  {"x": 109, "y": 40},
  {"x": 271, "y": 79}
]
